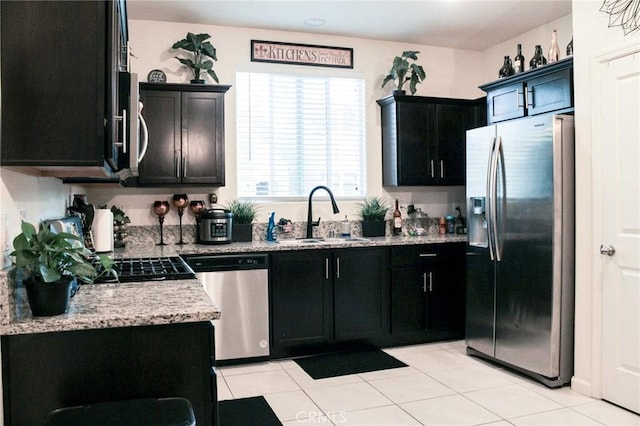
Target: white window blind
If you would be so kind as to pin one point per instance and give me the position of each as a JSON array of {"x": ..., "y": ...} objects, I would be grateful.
[{"x": 296, "y": 132}]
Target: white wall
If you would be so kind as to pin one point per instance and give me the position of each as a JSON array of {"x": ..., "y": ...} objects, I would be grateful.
[{"x": 446, "y": 77}]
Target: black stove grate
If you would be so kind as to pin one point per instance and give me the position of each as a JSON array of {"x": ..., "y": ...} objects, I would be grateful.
[{"x": 148, "y": 269}]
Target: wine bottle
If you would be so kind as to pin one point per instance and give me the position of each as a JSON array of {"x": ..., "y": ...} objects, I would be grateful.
[
  {"x": 518, "y": 61},
  {"x": 507, "y": 68},
  {"x": 397, "y": 220},
  {"x": 538, "y": 58},
  {"x": 554, "y": 50},
  {"x": 570, "y": 48}
]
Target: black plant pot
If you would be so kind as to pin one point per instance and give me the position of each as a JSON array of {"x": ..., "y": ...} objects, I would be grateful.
[
  {"x": 399, "y": 92},
  {"x": 373, "y": 228},
  {"x": 197, "y": 81},
  {"x": 242, "y": 232},
  {"x": 48, "y": 299}
]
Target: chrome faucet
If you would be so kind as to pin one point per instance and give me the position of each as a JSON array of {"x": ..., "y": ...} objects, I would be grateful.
[{"x": 310, "y": 222}]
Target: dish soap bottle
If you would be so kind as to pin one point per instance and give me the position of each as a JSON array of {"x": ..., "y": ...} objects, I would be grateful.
[
  {"x": 345, "y": 228},
  {"x": 271, "y": 227}
]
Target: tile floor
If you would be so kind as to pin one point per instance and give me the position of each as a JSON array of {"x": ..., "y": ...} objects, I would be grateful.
[{"x": 441, "y": 386}]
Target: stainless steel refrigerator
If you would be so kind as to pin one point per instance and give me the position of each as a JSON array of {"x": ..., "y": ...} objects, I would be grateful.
[{"x": 520, "y": 251}]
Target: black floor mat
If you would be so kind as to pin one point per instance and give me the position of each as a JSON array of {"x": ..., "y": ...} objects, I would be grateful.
[
  {"x": 342, "y": 363},
  {"x": 247, "y": 411}
]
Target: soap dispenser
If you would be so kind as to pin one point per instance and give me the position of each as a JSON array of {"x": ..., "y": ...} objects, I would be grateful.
[
  {"x": 345, "y": 228},
  {"x": 271, "y": 227}
]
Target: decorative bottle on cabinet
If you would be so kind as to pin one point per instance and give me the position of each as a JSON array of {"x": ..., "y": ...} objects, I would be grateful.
[
  {"x": 570, "y": 48},
  {"x": 518, "y": 61},
  {"x": 538, "y": 58},
  {"x": 507, "y": 68},
  {"x": 397, "y": 220},
  {"x": 554, "y": 50}
]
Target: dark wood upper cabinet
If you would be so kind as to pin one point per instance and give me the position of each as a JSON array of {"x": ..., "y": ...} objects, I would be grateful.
[
  {"x": 545, "y": 89},
  {"x": 186, "y": 134},
  {"x": 423, "y": 139},
  {"x": 60, "y": 64}
]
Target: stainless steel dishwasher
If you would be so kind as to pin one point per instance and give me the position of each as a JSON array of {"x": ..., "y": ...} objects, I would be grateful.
[{"x": 239, "y": 286}]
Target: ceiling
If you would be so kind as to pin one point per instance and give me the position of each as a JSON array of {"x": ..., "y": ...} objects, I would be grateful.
[{"x": 461, "y": 24}]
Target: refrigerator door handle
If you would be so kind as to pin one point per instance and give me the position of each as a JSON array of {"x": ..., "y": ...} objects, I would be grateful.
[
  {"x": 499, "y": 158},
  {"x": 489, "y": 195}
]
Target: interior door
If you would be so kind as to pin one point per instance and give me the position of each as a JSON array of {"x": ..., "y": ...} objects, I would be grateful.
[{"x": 620, "y": 109}]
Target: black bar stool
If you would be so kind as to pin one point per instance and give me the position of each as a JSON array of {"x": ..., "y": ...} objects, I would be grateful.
[{"x": 136, "y": 412}]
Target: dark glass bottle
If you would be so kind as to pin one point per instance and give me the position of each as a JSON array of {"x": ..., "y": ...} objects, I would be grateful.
[
  {"x": 518, "y": 61},
  {"x": 507, "y": 68},
  {"x": 397, "y": 220},
  {"x": 538, "y": 58},
  {"x": 570, "y": 48}
]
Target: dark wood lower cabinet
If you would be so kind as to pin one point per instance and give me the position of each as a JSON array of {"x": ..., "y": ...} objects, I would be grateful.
[
  {"x": 427, "y": 292},
  {"x": 42, "y": 372},
  {"x": 325, "y": 297}
]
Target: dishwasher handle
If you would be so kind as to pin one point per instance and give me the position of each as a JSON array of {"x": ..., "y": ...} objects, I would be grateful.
[{"x": 213, "y": 263}]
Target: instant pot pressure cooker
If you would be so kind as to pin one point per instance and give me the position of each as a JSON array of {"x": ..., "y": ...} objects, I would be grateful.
[{"x": 215, "y": 226}]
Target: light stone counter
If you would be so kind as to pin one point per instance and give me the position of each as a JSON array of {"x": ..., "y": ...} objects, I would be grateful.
[
  {"x": 116, "y": 305},
  {"x": 153, "y": 303}
]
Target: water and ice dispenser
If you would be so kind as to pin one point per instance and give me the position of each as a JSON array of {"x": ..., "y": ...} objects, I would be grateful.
[{"x": 477, "y": 228}]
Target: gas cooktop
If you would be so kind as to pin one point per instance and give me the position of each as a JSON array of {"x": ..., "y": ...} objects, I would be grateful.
[{"x": 147, "y": 269}]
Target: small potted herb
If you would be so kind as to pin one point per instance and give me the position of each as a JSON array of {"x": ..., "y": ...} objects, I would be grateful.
[
  {"x": 373, "y": 211},
  {"x": 402, "y": 71},
  {"x": 203, "y": 55},
  {"x": 244, "y": 213},
  {"x": 51, "y": 264}
]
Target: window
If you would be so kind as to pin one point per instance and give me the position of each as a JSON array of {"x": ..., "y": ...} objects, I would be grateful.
[{"x": 296, "y": 132}]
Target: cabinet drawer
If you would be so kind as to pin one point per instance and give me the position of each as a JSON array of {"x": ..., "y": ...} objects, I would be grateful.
[{"x": 423, "y": 254}]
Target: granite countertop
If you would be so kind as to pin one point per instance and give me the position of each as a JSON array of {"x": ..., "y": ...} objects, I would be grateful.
[
  {"x": 98, "y": 306},
  {"x": 152, "y": 250},
  {"x": 153, "y": 303}
]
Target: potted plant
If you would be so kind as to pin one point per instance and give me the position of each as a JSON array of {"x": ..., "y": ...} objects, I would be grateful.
[
  {"x": 403, "y": 71},
  {"x": 244, "y": 212},
  {"x": 202, "y": 51},
  {"x": 373, "y": 211},
  {"x": 51, "y": 264}
]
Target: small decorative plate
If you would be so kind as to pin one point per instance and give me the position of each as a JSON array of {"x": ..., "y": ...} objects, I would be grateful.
[{"x": 156, "y": 76}]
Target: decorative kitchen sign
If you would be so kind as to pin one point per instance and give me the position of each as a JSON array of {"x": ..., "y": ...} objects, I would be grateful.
[{"x": 301, "y": 54}]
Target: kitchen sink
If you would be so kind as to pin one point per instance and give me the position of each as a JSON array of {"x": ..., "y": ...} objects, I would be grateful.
[{"x": 304, "y": 241}]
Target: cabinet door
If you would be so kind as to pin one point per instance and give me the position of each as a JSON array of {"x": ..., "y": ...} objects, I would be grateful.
[
  {"x": 161, "y": 164},
  {"x": 301, "y": 299},
  {"x": 361, "y": 288},
  {"x": 202, "y": 138},
  {"x": 445, "y": 284},
  {"x": 550, "y": 92},
  {"x": 416, "y": 154},
  {"x": 506, "y": 103},
  {"x": 53, "y": 87},
  {"x": 452, "y": 124},
  {"x": 408, "y": 305}
]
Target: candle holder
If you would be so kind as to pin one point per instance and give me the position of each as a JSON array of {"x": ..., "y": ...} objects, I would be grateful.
[
  {"x": 196, "y": 207},
  {"x": 161, "y": 208},
  {"x": 180, "y": 201}
]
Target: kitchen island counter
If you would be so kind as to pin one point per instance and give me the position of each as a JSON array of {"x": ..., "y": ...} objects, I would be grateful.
[{"x": 98, "y": 306}]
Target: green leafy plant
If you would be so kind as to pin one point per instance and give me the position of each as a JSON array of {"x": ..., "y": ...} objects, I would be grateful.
[
  {"x": 203, "y": 55},
  {"x": 403, "y": 71},
  {"x": 373, "y": 208},
  {"x": 48, "y": 257},
  {"x": 244, "y": 212}
]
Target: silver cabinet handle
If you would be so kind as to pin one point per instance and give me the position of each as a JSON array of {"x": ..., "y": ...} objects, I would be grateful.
[
  {"x": 607, "y": 250},
  {"x": 529, "y": 97},
  {"x": 326, "y": 268},
  {"x": 441, "y": 169},
  {"x": 337, "y": 267},
  {"x": 428, "y": 254},
  {"x": 123, "y": 119},
  {"x": 424, "y": 282},
  {"x": 430, "y": 282},
  {"x": 432, "y": 169},
  {"x": 521, "y": 97}
]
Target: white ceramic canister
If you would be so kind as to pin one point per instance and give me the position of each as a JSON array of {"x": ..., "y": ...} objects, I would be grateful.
[{"x": 103, "y": 231}]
